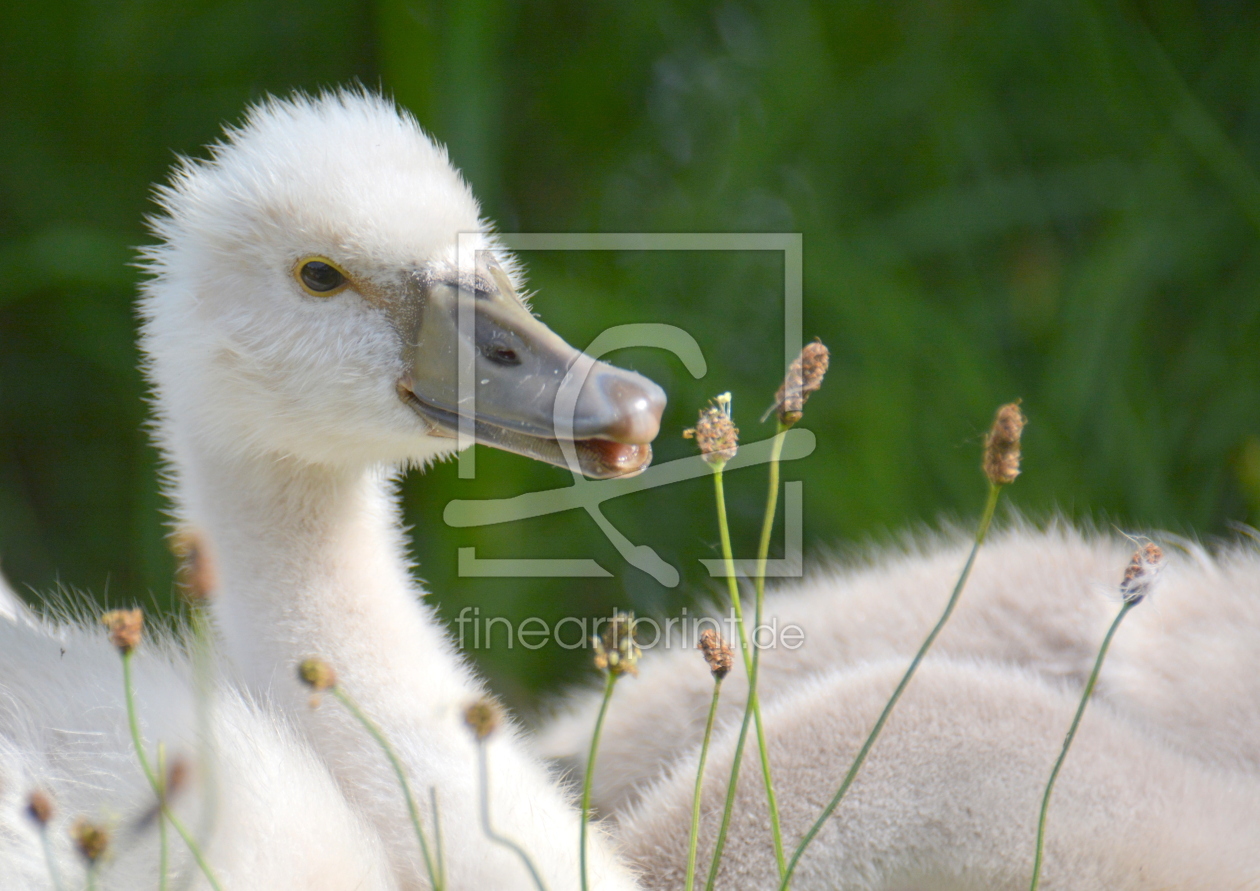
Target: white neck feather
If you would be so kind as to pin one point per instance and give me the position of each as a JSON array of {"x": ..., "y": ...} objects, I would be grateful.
[{"x": 311, "y": 563}]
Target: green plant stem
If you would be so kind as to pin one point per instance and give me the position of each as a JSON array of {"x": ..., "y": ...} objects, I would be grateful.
[
  {"x": 133, "y": 722},
  {"x": 732, "y": 583},
  {"x": 52, "y": 861},
  {"x": 759, "y": 581},
  {"x": 690, "y": 882},
  {"x": 161, "y": 772},
  {"x": 730, "y": 801},
  {"x": 752, "y": 708},
  {"x": 369, "y": 725},
  {"x": 985, "y": 520},
  {"x": 772, "y": 505},
  {"x": 1071, "y": 734},
  {"x": 437, "y": 835},
  {"x": 91, "y": 878},
  {"x": 202, "y": 658},
  {"x": 590, "y": 771},
  {"x": 483, "y": 766}
]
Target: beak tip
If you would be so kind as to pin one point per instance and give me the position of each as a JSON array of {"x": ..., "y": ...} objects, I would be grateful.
[{"x": 641, "y": 403}]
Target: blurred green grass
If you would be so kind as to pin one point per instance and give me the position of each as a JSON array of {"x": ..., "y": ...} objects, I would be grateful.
[{"x": 1057, "y": 202}]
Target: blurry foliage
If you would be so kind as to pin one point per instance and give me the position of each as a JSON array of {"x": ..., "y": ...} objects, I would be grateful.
[{"x": 1053, "y": 201}]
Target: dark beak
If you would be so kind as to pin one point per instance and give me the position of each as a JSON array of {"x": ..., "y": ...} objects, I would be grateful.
[{"x": 475, "y": 352}]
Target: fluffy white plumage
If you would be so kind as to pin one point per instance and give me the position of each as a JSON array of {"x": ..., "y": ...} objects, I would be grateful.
[
  {"x": 281, "y": 820},
  {"x": 950, "y": 796},
  {"x": 11, "y": 605},
  {"x": 1159, "y": 791},
  {"x": 280, "y": 416}
]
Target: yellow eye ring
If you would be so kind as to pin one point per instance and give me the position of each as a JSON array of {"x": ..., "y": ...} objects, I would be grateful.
[{"x": 320, "y": 277}]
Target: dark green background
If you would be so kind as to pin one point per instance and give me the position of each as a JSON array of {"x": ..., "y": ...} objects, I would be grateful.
[{"x": 1056, "y": 201}]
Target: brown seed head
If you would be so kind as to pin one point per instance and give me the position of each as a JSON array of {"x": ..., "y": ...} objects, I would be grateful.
[
  {"x": 91, "y": 839},
  {"x": 196, "y": 576},
  {"x": 717, "y": 653},
  {"x": 39, "y": 807},
  {"x": 178, "y": 773},
  {"x": 317, "y": 674},
  {"x": 1141, "y": 573},
  {"x": 616, "y": 651},
  {"x": 804, "y": 377},
  {"x": 125, "y": 628},
  {"x": 483, "y": 717},
  {"x": 716, "y": 435},
  {"x": 1001, "y": 445},
  {"x": 177, "y": 776}
]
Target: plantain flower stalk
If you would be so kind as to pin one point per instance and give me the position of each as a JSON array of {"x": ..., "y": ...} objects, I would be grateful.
[
  {"x": 804, "y": 378},
  {"x": 196, "y": 580},
  {"x": 718, "y": 656},
  {"x": 1001, "y": 465},
  {"x": 483, "y": 718},
  {"x": 616, "y": 654},
  {"x": 1138, "y": 580},
  {"x": 39, "y": 808},
  {"x": 126, "y": 627},
  {"x": 717, "y": 436},
  {"x": 91, "y": 840},
  {"x": 320, "y": 677}
]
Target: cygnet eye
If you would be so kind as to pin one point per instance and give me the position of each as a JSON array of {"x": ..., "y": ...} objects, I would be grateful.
[
  {"x": 320, "y": 277},
  {"x": 500, "y": 355}
]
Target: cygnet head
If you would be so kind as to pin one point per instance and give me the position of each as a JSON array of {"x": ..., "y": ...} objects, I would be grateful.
[{"x": 307, "y": 301}]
